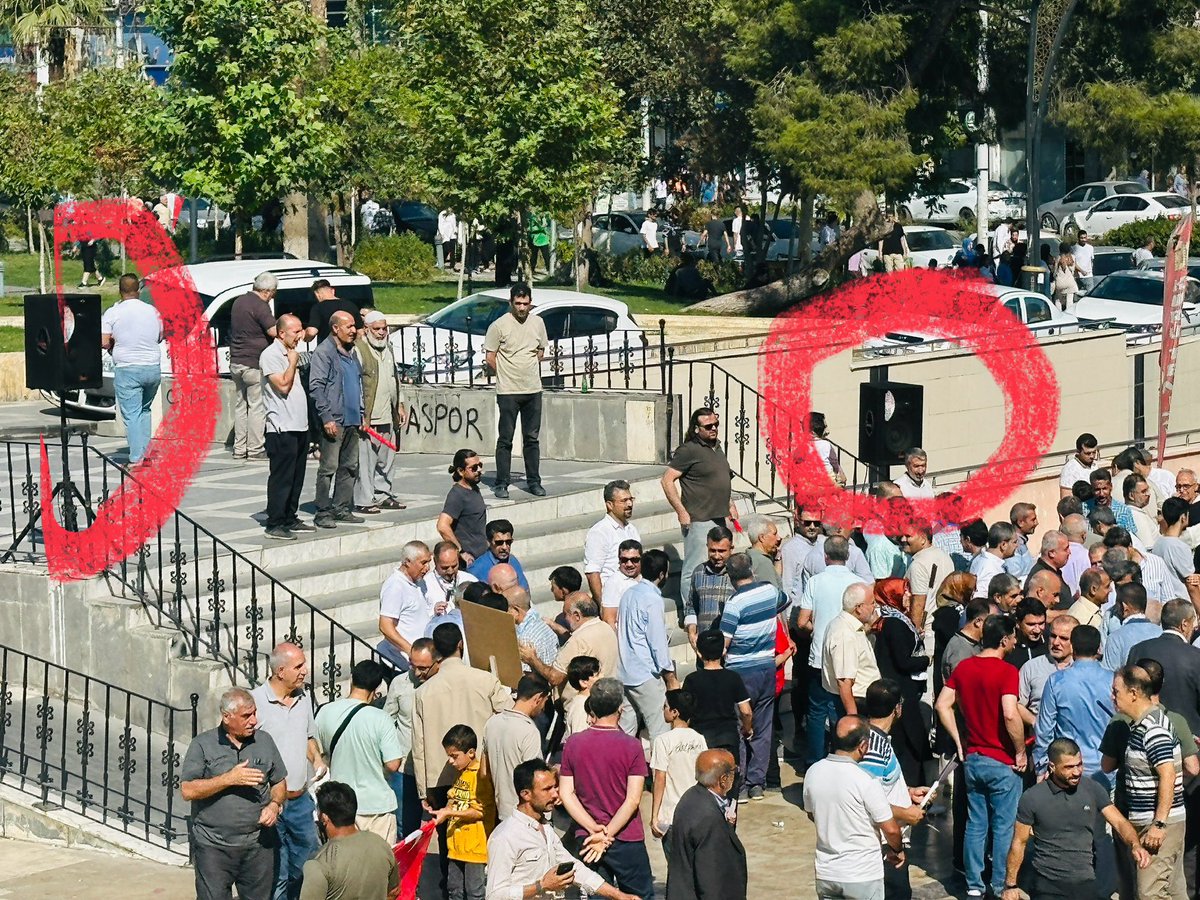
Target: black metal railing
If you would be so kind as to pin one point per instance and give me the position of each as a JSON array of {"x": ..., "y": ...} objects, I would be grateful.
[
  {"x": 743, "y": 413},
  {"x": 226, "y": 607},
  {"x": 100, "y": 751},
  {"x": 613, "y": 360}
]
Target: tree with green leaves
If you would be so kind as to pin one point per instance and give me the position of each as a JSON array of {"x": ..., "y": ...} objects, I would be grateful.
[
  {"x": 511, "y": 112},
  {"x": 46, "y": 29},
  {"x": 240, "y": 127}
]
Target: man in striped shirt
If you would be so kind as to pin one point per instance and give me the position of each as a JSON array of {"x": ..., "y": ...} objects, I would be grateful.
[
  {"x": 1152, "y": 773},
  {"x": 748, "y": 624}
]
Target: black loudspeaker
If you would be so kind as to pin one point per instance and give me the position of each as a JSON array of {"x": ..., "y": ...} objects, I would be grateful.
[
  {"x": 889, "y": 421},
  {"x": 62, "y": 354}
]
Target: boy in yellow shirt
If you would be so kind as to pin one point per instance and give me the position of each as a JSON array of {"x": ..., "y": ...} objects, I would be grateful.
[{"x": 471, "y": 814}]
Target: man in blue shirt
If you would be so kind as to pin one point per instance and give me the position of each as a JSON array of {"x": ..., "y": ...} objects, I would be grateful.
[
  {"x": 749, "y": 626},
  {"x": 500, "y": 541},
  {"x": 1077, "y": 703},
  {"x": 645, "y": 651},
  {"x": 335, "y": 385},
  {"x": 1102, "y": 489},
  {"x": 1130, "y": 607}
]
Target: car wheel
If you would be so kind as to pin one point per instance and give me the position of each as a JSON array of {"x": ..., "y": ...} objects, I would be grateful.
[
  {"x": 1050, "y": 223},
  {"x": 904, "y": 214},
  {"x": 966, "y": 214}
]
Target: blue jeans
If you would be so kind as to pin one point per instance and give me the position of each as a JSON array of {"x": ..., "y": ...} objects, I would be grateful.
[
  {"x": 408, "y": 804},
  {"x": 993, "y": 790},
  {"x": 824, "y": 709},
  {"x": 297, "y": 843},
  {"x": 760, "y": 685},
  {"x": 135, "y": 387}
]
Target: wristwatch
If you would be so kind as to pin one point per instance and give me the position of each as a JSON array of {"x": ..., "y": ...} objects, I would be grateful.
[
  {"x": 1158, "y": 823},
  {"x": 1010, "y": 887}
]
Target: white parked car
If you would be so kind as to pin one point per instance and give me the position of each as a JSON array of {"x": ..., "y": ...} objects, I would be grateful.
[
  {"x": 1039, "y": 315},
  {"x": 957, "y": 201},
  {"x": 218, "y": 284},
  {"x": 925, "y": 243},
  {"x": 1054, "y": 213},
  {"x": 1133, "y": 300},
  {"x": 589, "y": 333},
  {"x": 619, "y": 233},
  {"x": 1125, "y": 208}
]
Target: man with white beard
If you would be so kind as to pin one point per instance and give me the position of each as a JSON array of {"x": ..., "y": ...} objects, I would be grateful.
[{"x": 384, "y": 411}]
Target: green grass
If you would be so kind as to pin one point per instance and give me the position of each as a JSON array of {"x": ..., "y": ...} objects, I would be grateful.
[
  {"x": 21, "y": 270},
  {"x": 423, "y": 299},
  {"x": 12, "y": 340}
]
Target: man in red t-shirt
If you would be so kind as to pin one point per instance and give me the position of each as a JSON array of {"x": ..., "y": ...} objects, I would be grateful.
[{"x": 984, "y": 691}]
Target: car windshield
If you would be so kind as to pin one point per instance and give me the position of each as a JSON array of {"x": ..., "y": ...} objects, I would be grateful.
[
  {"x": 1172, "y": 201},
  {"x": 481, "y": 309},
  {"x": 1134, "y": 289},
  {"x": 929, "y": 240},
  {"x": 783, "y": 229},
  {"x": 1128, "y": 187},
  {"x": 1107, "y": 263}
]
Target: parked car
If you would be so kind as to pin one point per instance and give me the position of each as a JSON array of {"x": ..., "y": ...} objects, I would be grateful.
[
  {"x": 1111, "y": 259},
  {"x": 1159, "y": 264},
  {"x": 583, "y": 328},
  {"x": 1054, "y": 213},
  {"x": 1040, "y": 316},
  {"x": 206, "y": 212},
  {"x": 619, "y": 233},
  {"x": 1122, "y": 209},
  {"x": 1133, "y": 299},
  {"x": 957, "y": 201},
  {"x": 419, "y": 218},
  {"x": 217, "y": 285},
  {"x": 925, "y": 243}
]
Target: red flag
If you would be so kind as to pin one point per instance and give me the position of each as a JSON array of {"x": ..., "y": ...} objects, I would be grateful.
[
  {"x": 1174, "y": 288},
  {"x": 410, "y": 856}
]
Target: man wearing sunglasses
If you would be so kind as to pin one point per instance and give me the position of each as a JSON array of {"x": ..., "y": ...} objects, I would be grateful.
[
  {"x": 698, "y": 483},
  {"x": 500, "y": 541},
  {"x": 629, "y": 573}
]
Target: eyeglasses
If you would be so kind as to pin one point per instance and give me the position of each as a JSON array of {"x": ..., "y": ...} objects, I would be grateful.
[
  {"x": 501, "y": 543},
  {"x": 810, "y": 523},
  {"x": 629, "y": 559},
  {"x": 710, "y": 427},
  {"x": 475, "y": 468}
]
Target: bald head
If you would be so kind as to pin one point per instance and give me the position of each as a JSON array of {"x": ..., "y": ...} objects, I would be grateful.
[
  {"x": 1075, "y": 527},
  {"x": 518, "y": 598},
  {"x": 712, "y": 769},
  {"x": 501, "y": 577},
  {"x": 850, "y": 736},
  {"x": 1044, "y": 585},
  {"x": 341, "y": 317}
]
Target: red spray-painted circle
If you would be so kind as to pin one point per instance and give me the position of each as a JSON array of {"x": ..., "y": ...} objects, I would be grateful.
[{"x": 923, "y": 301}]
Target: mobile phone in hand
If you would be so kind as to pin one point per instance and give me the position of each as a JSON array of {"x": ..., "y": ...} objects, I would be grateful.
[{"x": 564, "y": 868}]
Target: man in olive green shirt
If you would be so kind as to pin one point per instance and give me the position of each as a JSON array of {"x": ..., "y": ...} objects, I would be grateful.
[
  {"x": 515, "y": 345},
  {"x": 352, "y": 864}
]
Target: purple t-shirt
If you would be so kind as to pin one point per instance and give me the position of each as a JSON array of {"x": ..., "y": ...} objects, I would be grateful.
[{"x": 601, "y": 761}]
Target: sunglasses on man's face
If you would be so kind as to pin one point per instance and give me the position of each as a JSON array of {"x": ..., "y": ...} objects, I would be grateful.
[
  {"x": 475, "y": 468},
  {"x": 630, "y": 560},
  {"x": 709, "y": 427}
]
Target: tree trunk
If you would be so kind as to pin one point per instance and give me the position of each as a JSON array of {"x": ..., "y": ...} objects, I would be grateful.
[
  {"x": 779, "y": 296},
  {"x": 524, "y": 270},
  {"x": 239, "y": 230},
  {"x": 295, "y": 224},
  {"x": 29, "y": 229},
  {"x": 345, "y": 252},
  {"x": 807, "y": 203}
]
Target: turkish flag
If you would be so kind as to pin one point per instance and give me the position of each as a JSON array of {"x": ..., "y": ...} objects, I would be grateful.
[{"x": 410, "y": 856}]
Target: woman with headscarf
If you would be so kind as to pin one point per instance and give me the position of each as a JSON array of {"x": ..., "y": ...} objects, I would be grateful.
[
  {"x": 966, "y": 254},
  {"x": 898, "y": 647}
]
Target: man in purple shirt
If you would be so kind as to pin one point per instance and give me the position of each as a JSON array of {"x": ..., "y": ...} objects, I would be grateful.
[{"x": 603, "y": 776}]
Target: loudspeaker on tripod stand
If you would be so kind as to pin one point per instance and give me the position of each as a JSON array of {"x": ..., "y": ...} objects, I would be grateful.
[
  {"x": 63, "y": 353},
  {"x": 889, "y": 421}
]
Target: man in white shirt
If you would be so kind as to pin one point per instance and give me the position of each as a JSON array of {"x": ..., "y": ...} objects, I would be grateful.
[
  {"x": 629, "y": 573},
  {"x": 851, "y": 813},
  {"x": 446, "y": 576},
  {"x": 928, "y": 569},
  {"x": 1144, "y": 253},
  {"x": 1075, "y": 528},
  {"x": 912, "y": 481},
  {"x": 1023, "y": 517},
  {"x": 405, "y": 604},
  {"x": 1084, "y": 254},
  {"x": 1136, "y": 490},
  {"x": 603, "y": 538},
  {"x": 1002, "y": 544},
  {"x": 649, "y": 232},
  {"x": 795, "y": 551},
  {"x": 131, "y": 331},
  {"x": 1079, "y": 467},
  {"x": 1001, "y": 238},
  {"x": 525, "y": 853}
]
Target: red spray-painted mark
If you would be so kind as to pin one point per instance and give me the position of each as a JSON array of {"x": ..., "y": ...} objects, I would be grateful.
[
  {"x": 922, "y": 301},
  {"x": 135, "y": 511}
]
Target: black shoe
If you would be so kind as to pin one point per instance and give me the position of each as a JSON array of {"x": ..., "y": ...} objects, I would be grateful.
[
  {"x": 280, "y": 534},
  {"x": 537, "y": 490},
  {"x": 350, "y": 517},
  {"x": 502, "y": 492},
  {"x": 325, "y": 522},
  {"x": 297, "y": 525}
]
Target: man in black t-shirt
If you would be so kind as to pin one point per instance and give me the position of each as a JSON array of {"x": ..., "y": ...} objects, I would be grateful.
[
  {"x": 893, "y": 249},
  {"x": 722, "y": 714},
  {"x": 715, "y": 239},
  {"x": 251, "y": 330},
  {"x": 327, "y": 304}
]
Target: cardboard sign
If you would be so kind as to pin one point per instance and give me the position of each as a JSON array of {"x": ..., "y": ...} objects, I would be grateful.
[{"x": 492, "y": 639}]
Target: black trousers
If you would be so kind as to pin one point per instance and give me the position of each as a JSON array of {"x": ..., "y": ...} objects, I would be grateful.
[
  {"x": 288, "y": 453},
  {"x": 251, "y": 868},
  {"x": 529, "y": 407},
  {"x": 1076, "y": 889}
]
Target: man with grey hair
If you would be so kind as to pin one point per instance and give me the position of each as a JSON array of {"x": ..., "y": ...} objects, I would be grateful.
[
  {"x": 763, "y": 535},
  {"x": 405, "y": 604},
  {"x": 236, "y": 782},
  {"x": 285, "y": 712},
  {"x": 286, "y": 426},
  {"x": 848, "y": 664},
  {"x": 251, "y": 329},
  {"x": 384, "y": 411},
  {"x": 606, "y": 536},
  {"x": 912, "y": 481},
  {"x": 1075, "y": 527},
  {"x": 590, "y": 636},
  {"x": 1055, "y": 551},
  {"x": 531, "y": 628},
  {"x": 749, "y": 625},
  {"x": 336, "y": 384}
]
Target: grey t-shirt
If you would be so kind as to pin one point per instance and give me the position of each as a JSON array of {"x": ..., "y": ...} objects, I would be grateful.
[
  {"x": 230, "y": 818},
  {"x": 1064, "y": 823},
  {"x": 468, "y": 512},
  {"x": 960, "y": 647},
  {"x": 1176, "y": 555},
  {"x": 284, "y": 413},
  {"x": 763, "y": 569}
]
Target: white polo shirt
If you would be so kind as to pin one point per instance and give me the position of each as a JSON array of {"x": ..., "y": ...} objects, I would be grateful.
[
  {"x": 614, "y": 589},
  {"x": 985, "y": 567},
  {"x": 1075, "y": 471},
  {"x": 411, "y": 605},
  {"x": 912, "y": 490},
  {"x": 847, "y": 806},
  {"x": 600, "y": 546}
]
